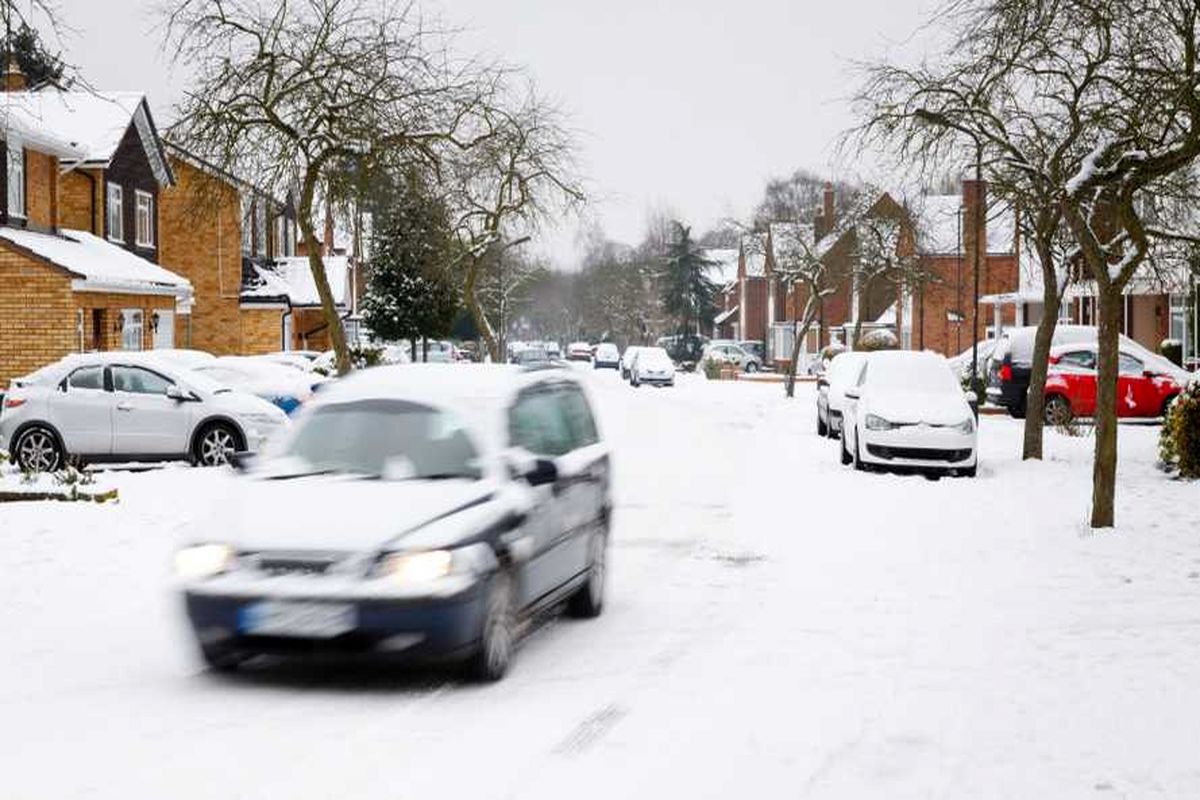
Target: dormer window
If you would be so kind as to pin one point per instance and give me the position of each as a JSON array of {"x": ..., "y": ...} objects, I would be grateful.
[
  {"x": 115, "y": 212},
  {"x": 16, "y": 178}
]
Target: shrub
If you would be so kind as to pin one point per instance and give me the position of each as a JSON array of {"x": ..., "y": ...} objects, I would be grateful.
[
  {"x": 364, "y": 355},
  {"x": 1179, "y": 440},
  {"x": 712, "y": 369},
  {"x": 1172, "y": 350},
  {"x": 879, "y": 339}
]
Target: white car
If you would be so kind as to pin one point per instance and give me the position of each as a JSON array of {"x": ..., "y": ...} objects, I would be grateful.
[
  {"x": 627, "y": 360},
  {"x": 286, "y": 387},
  {"x": 907, "y": 411},
  {"x": 607, "y": 356},
  {"x": 831, "y": 391},
  {"x": 729, "y": 353},
  {"x": 652, "y": 365},
  {"x": 129, "y": 407}
]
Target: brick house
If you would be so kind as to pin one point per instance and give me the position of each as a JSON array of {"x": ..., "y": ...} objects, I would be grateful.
[
  {"x": 287, "y": 283},
  {"x": 723, "y": 274},
  {"x": 65, "y": 289}
]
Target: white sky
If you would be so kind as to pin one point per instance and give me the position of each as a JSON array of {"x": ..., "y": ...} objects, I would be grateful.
[{"x": 689, "y": 105}]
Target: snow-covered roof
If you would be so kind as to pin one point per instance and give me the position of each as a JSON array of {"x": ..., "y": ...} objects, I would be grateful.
[
  {"x": 98, "y": 265},
  {"x": 754, "y": 247},
  {"x": 938, "y": 226},
  {"x": 725, "y": 265},
  {"x": 292, "y": 278},
  {"x": 93, "y": 122},
  {"x": 17, "y": 119},
  {"x": 724, "y": 316}
]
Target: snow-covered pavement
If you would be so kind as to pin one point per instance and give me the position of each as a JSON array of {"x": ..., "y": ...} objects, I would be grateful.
[{"x": 777, "y": 626}]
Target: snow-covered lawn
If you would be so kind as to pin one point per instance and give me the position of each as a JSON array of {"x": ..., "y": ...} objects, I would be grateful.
[{"x": 778, "y": 626}]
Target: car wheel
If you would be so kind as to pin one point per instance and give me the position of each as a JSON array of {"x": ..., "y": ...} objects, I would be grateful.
[
  {"x": 969, "y": 472},
  {"x": 498, "y": 636},
  {"x": 1058, "y": 411},
  {"x": 222, "y": 659},
  {"x": 751, "y": 367},
  {"x": 822, "y": 427},
  {"x": 215, "y": 444},
  {"x": 845, "y": 453},
  {"x": 588, "y": 602},
  {"x": 37, "y": 450}
]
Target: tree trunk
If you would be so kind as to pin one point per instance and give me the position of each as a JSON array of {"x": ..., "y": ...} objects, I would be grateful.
[
  {"x": 1104, "y": 469},
  {"x": 424, "y": 350},
  {"x": 337, "y": 334},
  {"x": 1035, "y": 400},
  {"x": 860, "y": 311},
  {"x": 789, "y": 382},
  {"x": 472, "y": 304}
]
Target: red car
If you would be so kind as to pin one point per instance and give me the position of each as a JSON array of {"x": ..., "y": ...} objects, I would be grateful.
[{"x": 1071, "y": 386}]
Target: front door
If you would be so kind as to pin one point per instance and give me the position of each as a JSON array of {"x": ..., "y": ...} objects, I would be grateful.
[
  {"x": 145, "y": 420},
  {"x": 164, "y": 329},
  {"x": 82, "y": 411}
]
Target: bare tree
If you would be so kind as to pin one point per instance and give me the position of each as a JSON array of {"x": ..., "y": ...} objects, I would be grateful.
[
  {"x": 516, "y": 175},
  {"x": 306, "y": 92},
  {"x": 807, "y": 276}
]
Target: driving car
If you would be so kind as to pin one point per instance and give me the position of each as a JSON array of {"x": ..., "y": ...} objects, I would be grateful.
[
  {"x": 627, "y": 360},
  {"x": 831, "y": 391},
  {"x": 1142, "y": 391},
  {"x": 129, "y": 407},
  {"x": 607, "y": 356},
  {"x": 732, "y": 354},
  {"x": 652, "y": 365},
  {"x": 283, "y": 386},
  {"x": 496, "y": 482},
  {"x": 579, "y": 351},
  {"x": 906, "y": 411}
]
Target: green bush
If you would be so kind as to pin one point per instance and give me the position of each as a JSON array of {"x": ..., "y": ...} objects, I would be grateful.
[
  {"x": 1172, "y": 350},
  {"x": 1179, "y": 440},
  {"x": 712, "y": 369}
]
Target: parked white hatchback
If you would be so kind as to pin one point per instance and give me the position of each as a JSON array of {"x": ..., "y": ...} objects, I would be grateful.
[
  {"x": 652, "y": 365},
  {"x": 129, "y": 407},
  {"x": 843, "y": 371},
  {"x": 907, "y": 411}
]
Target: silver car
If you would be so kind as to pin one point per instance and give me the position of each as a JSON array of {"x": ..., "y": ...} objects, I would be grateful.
[{"x": 129, "y": 407}]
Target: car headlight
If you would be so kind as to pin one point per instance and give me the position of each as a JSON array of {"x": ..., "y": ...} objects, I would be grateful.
[
  {"x": 966, "y": 426},
  {"x": 878, "y": 423},
  {"x": 410, "y": 568},
  {"x": 204, "y": 560}
]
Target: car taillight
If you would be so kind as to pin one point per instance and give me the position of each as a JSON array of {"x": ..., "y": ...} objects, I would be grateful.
[
  {"x": 14, "y": 402},
  {"x": 1054, "y": 359},
  {"x": 1005, "y": 373}
]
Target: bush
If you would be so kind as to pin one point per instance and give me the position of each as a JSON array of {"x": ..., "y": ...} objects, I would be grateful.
[
  {"x": 364, "y": 355},
  {"x": 1172, "y": 350},
  {"x": 1179, "y": 440},
  {"x": 879, "y": 339},
  {"x": 712, "y": 369}
]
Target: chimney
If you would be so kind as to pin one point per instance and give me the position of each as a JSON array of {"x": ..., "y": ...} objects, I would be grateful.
[{"x": 14, "y": 78}]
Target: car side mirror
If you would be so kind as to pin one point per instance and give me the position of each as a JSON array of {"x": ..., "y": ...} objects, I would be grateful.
[
  {"x": 853, "y": 394},
  {"x": 544, "y": 471},
  {"x": 971, "y": 398},
  {"x": 175, "y": 393},
  {"x": 1150, "y": 374}
]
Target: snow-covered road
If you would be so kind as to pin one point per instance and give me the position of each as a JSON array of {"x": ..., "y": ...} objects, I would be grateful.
[{"x": 777, "y": 626}]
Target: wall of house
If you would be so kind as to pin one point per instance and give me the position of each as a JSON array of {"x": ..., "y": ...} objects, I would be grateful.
[
  {"x": 41, "y": 189},
  {"x": 261, "y": 330},
  {"x": 130, "y": 167},
  {"x": 200, "y": 238},
  {"x": 309, "y": 331},
  {"x": 111, "y": 305},
  {"x": 37, "y": 316},
  {"x": 81, "y": 201},
  {"x": 756, "y": 309},
  {"x": 1148, "y": 320}
]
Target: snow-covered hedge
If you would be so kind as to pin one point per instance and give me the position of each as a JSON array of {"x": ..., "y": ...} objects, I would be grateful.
[
  {"x": 1179, "y": 441},
  {"x": 880, "y": 339},
  {"x": 71, "y": 483}
]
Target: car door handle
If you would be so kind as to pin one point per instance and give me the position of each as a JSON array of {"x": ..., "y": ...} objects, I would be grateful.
[{"x": 124, "y": 407}]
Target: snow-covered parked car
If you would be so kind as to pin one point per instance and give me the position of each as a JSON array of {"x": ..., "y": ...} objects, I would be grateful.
[
  {"x": 627, "y": 360},
  {"x": 907, "y": 411},
  {"x": 728, "y": 353},
  {"x": 285, "y": 387},
  {"x": 607, "y": 356},
  {"x": 129, "y": 407},
  {"x": 579, "y": 351},
  {"x": 652, "y": 365},
  {"x": 496, "y": 487},
  {"x": 843, "y": 371}
]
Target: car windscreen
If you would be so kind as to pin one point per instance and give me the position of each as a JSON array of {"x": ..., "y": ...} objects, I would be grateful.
[
  {"x": 389, "y": 439},
  {"x": 921, "y": 375},
  {"x": 845, "y": 368}
]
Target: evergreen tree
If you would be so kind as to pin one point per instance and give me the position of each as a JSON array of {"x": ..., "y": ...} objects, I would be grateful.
[
  {"x": 687, "y": 291},
  {"x": 38, "y": 63},
  {"x": 410, "y": 294}
]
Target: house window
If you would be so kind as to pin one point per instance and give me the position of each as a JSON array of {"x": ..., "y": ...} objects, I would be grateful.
[
  {"x": 115, "y": 209},
  {"x": 144, "y": 221},
  {"x": 16, "y": 178},
  {"x": 131, "y": 329}
]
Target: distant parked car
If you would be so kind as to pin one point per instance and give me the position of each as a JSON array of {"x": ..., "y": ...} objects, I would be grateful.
[
  {"x": 1012, "y": 360},
  {"x": 579, "y": 351},
  {"x": 129, "y": 407},
  {"x": 907, "y": 411},
  {"x": 627, "y": 360},
  {"x": 652, "y": 365},
  {"x": 831, "y": 391},
  {"x": 961, "y": 363},
  {"x": 607, "y": 356},
  {"x": 553, "y": 351},
  {"x": 755, "y": 348},
  {"x": 440, "y": 352},
  {"x": 732, "y": 354},
  {"x": 282, "y": 386},
  {"x": 496, "y": 483},
  {"x": 1071, "y": 386},
  {"x": 532, "y": 357}
]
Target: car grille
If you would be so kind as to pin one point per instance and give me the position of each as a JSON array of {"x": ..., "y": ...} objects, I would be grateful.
[
  {"x": 918, "y": 453},
  {"x": 277, "y": 564}
]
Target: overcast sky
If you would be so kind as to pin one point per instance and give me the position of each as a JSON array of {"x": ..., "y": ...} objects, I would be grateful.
[{"x": 688, "y": 105}]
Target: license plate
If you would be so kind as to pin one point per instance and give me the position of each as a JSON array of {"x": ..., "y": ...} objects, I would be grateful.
[{"x": 296, "y": 618}]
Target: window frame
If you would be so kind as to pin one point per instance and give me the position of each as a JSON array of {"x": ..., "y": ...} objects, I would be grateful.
[
  {"x": 71, "y": 387},
  {"x": 16, "y": 146},
  {"x": 138, "y": 196},
  {"x": 167, "y": 381},
  {"x": 113, "y": 190},
  {"x": 544, "y": 392}
]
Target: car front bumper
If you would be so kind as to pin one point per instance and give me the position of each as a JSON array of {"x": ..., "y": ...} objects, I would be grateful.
[
  {"x": 431, "y": 628},
  {"x": 663, "y": 379},
  {"x": 919, "y": 447}
]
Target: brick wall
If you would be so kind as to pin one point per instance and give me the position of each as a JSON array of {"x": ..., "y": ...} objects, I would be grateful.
[
  {"x": 199, "y": 233},
  {"x": 261, "y": 330},
  {"x": 756, "y": 309},
  {"x": 41, "y": 189},
  {"x": 309, "y": 331},
  {"x": 37, "y": 315},
  {"x": 80, "y": 203}
]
